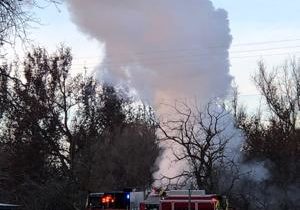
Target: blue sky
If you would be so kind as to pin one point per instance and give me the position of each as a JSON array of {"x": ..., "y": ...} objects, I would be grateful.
[
  {"x": 251, "y": 21},
  {"x": 263, "y": 11}
]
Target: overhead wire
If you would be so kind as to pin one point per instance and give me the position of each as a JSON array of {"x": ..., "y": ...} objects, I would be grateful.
[
  {"x": 189, "y": 55},
  {"x": 181, "y": 59},
  {"x": 267, "y": 42},
  {"x": 203, "y": 47},
  {"x": 179, "y": 54}
]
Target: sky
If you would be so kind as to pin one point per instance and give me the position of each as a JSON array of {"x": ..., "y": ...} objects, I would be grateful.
[
  {"x": 261, "y": 29},
  {"x": 261, "y": 21}
]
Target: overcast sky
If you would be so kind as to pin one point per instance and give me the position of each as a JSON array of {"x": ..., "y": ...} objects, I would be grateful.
[{"x": 261, "y": 29}]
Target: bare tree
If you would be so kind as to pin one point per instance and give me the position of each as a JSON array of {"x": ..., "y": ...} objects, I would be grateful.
[
  {"x": 272, "y": 134},
  {"x": 15, "y": 18},
  {"x": 200, "y": 139},
  {"x": 281, "y": 90}
]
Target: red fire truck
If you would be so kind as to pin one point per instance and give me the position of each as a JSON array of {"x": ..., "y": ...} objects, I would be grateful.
[
  {"x": 185, "y": 200},
  {"x": 169, "y": 200},
  {"x": 108, "y": 200},
  {"x": 114, "y": 200}
]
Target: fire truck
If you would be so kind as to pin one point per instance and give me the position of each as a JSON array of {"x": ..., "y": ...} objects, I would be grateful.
[
  {"x": 185, "y": 200},
  {"x": 114, "y": 200},
  {"x": 165, "y": 200}
]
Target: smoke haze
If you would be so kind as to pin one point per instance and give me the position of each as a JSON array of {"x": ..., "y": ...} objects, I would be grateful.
[{"x": 164, "y": 49}]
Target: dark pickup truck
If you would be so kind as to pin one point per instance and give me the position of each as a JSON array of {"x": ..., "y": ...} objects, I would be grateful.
[{"x": 6, "y": 206}]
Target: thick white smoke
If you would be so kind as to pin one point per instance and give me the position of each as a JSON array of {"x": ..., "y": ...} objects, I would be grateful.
[{"x": 164, "y": 49}]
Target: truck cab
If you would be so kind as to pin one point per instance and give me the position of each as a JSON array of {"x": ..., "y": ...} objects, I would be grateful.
[{"x": 114, "y": 200}]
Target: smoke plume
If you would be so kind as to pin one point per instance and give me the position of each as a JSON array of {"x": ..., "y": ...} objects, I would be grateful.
[{"x": 164, "y": 49}]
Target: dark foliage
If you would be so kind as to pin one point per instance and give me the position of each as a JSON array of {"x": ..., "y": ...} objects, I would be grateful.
[
  {"x": 273, "y": 137},
  {"x": 63, "y": 136}
]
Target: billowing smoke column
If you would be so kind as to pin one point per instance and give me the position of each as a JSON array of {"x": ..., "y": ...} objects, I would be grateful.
[{"x": 164, "y": 49}]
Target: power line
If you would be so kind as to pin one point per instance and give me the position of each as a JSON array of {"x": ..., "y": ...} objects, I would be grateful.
[
  {"x": 205, "y": 48},
  {"x": 181, "y": 59},
  {"x": 200, "y": 54},
  {"x": 265, "y": 49},
  {"x": 265, "y": 55},
  {"x": 267, "y": 42}
]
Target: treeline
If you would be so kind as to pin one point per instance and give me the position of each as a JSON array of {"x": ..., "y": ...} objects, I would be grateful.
[
  {"x": 272, "y": 137},
  {"x": 253, "y": 159},
  {"x": 63, "y": 136}
]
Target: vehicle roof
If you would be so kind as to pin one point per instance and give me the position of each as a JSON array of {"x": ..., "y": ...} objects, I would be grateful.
[
  {"x": 8, "y": 205},
  {"x": 102, "y": 193},
  {"x": 186, "y": 192},
  {"x": 170, "y": 197}
]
